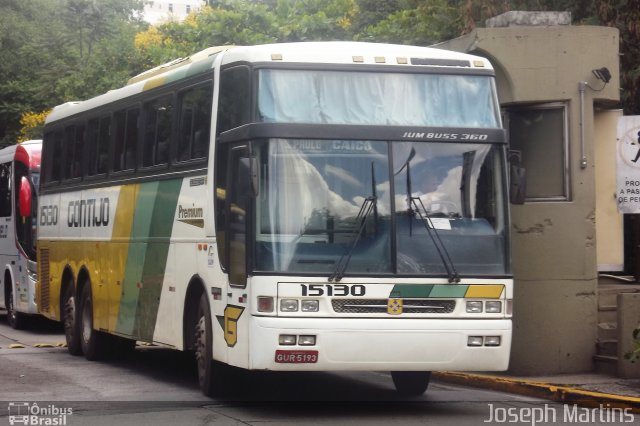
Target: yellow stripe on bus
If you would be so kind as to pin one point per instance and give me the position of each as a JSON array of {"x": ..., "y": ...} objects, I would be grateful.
[
  {"x": 484, "y": 291},
  {"x": 118, "y": 249}
]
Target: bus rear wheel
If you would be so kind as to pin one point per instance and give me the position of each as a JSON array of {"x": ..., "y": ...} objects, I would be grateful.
[
  {"x": 93, "y": 342},
  {"x": 210, "y": 372},
  {"x": 14, "y": 318},
  {"x": 70, "y": 321},
  {"x": 411, "y": 383}
]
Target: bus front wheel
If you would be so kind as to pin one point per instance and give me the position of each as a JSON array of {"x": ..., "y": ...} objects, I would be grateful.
[
  {"x": 411, "y": 383},
  {"x": 210, "y": 372}
]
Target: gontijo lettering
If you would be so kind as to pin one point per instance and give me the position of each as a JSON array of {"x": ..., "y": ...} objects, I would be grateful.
[{"x": 88, "y": 213}]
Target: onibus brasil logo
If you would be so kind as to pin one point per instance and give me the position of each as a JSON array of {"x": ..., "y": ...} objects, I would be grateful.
[{"x": 25, "y": 413}]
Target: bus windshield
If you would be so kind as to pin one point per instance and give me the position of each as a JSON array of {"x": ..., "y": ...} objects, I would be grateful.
[
  {"x": 375, "y": 98},
  {"x": 312, "y": 193}
]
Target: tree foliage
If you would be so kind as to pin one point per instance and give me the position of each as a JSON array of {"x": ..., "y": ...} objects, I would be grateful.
[{"x": 53, "y": 51}]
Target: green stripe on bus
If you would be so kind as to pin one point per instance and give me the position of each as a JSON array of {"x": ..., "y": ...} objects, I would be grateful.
[
  {"x": 155, "y": 263},
  {"x": 147, "y": 259},
  {"x": 135, "y": 259},
  {"x": 449, "y": 290},
  {"x": 411, "y": 290}
]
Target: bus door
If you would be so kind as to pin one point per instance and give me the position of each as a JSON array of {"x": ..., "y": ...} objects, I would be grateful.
[{"x": 241, "y": 189}]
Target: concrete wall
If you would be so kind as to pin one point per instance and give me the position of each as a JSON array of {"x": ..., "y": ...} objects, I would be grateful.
[{"x": 554, "y": 243}]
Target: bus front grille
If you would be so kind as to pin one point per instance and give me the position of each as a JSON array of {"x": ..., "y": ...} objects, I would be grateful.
[{"x": 380, "y": 306}]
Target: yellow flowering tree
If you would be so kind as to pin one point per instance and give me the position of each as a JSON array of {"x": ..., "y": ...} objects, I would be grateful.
[{"x": 32, "y": 124}]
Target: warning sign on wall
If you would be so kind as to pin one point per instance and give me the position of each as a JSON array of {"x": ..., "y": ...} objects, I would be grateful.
[{"x": 628, "y": 159}]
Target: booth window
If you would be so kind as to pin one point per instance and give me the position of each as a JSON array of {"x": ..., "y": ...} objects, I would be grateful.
[{"x": 539, "y": 142}]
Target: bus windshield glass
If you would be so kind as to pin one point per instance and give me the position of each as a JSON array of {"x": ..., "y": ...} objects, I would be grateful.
[
  {"x": 313, "y": 194},
  {"x": 339, "y": 97}
]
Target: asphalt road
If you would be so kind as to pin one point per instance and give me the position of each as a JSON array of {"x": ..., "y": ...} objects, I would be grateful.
[{"x": 157, "y": 386}]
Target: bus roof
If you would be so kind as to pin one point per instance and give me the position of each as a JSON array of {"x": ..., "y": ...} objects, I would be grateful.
[
  {"x": 27, "y": 152},
  {"x": 331, "y": 52}
]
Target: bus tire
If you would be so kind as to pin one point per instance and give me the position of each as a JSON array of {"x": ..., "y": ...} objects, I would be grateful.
[
  {"x": 93, "y": 342},
  {"x": 411, "y": 383},
  {"x": 70, "y": 321},
  {"x": 15, "y": 319},
  {"x": 210, "y": 372}
]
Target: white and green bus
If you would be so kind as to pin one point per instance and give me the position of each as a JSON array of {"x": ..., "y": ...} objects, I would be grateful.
[
  {"x": 19, "y": 180},
  {"x": 329, "y": 206}
]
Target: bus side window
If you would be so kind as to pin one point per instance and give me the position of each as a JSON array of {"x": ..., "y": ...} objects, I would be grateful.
[
  {"x": 5, "y": 190},
  {"x": 195, "y": 122},
  {"x": 93, "y": 128},
  {"x": 104, "y": 140},
  {"x": 234, "y": 108},
  {"x": 98, "y": 145},
  {"x": 238, "y": 205},
  {"x": 126, "y": 139},
  {"x": 157, "y": 133},
  {"x": 221, "y": 169},
  {"x": 57, "y": 156}
]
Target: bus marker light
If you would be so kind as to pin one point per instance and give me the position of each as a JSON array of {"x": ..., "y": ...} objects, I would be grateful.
[
  {"x": 265, "y": 304},
  {"x": 309, "y": 306},
  {"x": 474, "y": 341},
  {"x": 509, "y": 309},
  {"x": 307, "y": 340},
  {"x": 492, "y": 341},
  {"x": 296, "y": 357},
  {"x": 493, "y": 307},
  {"x": 287, "y": 339},
  {"x": 289, "y": 305}
]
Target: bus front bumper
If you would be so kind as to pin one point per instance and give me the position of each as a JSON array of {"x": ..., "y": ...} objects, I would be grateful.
[{"x": 381, "y": 344}]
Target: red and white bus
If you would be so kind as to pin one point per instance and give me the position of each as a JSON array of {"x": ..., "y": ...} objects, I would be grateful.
[{"x": 19, "y": 180}]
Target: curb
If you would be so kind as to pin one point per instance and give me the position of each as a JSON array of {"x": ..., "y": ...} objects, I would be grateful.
[{"x": 557, "y": 393}]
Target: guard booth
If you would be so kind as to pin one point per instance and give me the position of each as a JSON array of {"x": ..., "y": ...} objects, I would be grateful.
[{"x": 557, "y": 84}]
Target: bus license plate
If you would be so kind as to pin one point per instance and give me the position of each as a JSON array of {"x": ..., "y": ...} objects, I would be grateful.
[{"x": 296, "y": 357}]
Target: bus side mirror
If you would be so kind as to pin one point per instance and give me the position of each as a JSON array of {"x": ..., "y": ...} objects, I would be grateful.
[{"x": 25, "y": 198}]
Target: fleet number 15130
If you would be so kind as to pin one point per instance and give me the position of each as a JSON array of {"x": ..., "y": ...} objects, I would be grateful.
[{"x": 333, "y": 290}]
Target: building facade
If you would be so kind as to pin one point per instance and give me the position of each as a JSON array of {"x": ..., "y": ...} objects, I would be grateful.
[{"x": 159, "y": 11}]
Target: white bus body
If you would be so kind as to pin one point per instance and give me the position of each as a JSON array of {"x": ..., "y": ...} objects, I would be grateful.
[{"x": 305, "y": 206}]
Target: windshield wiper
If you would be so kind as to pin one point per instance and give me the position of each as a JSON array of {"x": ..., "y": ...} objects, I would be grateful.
[
  {"x": 369, "y": 205},
  {"x": 435, "y": 238},
  {"x": 452, "y": 274}
]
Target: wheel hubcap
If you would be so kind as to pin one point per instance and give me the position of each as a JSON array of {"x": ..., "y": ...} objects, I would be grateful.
[
  {"x": 69, "y": 315},
  {"x": 86, "y": 322},
  {"x": 200, "y": 346}
]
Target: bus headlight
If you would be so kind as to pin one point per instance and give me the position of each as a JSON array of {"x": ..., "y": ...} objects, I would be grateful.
[
  {"x": 493, "y": 307},
  {"x": 307, "y": 340},
  {"x": 288, "y": 305},
  {"x": 474, "y": 307},
  {"x": 474, "y": 341},
  {"x": 309, "y": 306},
  {"x": 492, "y": 341},
  {"x": 287, "y": 339}
]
